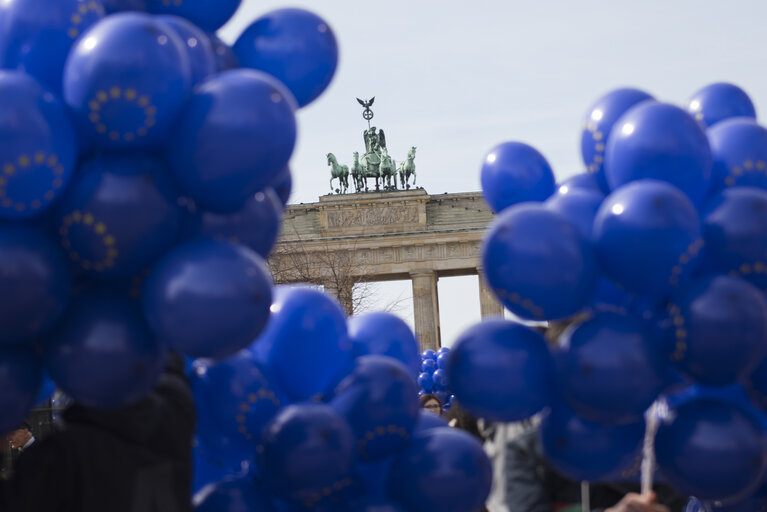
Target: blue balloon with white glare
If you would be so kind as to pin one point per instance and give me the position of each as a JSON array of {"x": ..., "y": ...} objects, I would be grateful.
[
  {"x": 739, "y": 149},
  {"x": 37, "y": 35},
  {"x": 647, "y": 233},
  {"x": 720, "y": 101},
  {"x": 597, "y": 126},
  {"x": 514, "y": 172},
  {"x": 659, "y": 141},
  {"x": 126, "y": 81}
]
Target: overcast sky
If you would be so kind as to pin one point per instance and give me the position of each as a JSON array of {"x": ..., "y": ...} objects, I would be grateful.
[{"x": 456, "y": 78}]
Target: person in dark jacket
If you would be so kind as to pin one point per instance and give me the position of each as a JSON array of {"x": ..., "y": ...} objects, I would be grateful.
[{"x": 134, "y": 459}]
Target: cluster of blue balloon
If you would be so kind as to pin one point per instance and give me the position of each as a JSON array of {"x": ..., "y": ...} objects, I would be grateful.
[
  {"x": 321, "y": 413},
  {"x": 143, "y": 175},
  {"x": 653, "y": 264},
  {"x": 433, "y": 376}
]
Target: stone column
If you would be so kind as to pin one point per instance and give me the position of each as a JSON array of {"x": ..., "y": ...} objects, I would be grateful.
[
  {"x": 426, "y": 308},
  {"x": 488, "y": 304}
]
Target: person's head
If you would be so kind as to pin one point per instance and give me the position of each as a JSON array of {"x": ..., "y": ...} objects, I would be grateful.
[
  {"x": 431, "y": 404},
  {"x": 19, "y": 437}
]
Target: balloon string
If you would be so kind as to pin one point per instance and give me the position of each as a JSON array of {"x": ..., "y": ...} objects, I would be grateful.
[
  {"x": 648, "y": 449},
  {"x": 585, "y": 497}
]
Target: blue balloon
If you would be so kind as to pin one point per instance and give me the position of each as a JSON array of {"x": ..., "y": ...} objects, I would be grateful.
[
  {"x": 719, "y": 101},
  {"x": 20, "y": 377},
  {"x": 442, "y": 360},
  {"x": 119, "y": 215},
  {"x": 579, "y": 206},
  {"x": 440, "y": 381},
  {"x": 243, "y": 128},
  {"x": 103, "y": 354},
  {"x": 208, "y": 298},
  {"x": 202, "y": 59},
  {"x": 210, "y": 467},
  {"x": 310, "y": 452},
  {"x": 739, "y": 150},
  {"x": 497, "y": 351},
  {"x": 384, "y": 334},
  {"x": 112, "y": 6},
  {"x": 597, "y": 125},
  {"x": 757, "y": 385},
  {"x": 514, "y": 172},
  {"x": 429, "y": 354},
  {"x": 293, "y": 45},
  {"x": 39, "y": 149},
  {"x": 234, "y": 495},
  {"x": 646, "y": 234},
  {"x": 443, "y": 350},
  {"x": 379, "y": 400},
  {"x": 428, "y": 366},
  {"x": 427, "y": 421},
  {"x": 583, "y": 181},
  {"x": 609, "y": 368},
  {"x": 426, "y": 381},
  {"x": 283, "y": 185},
  {"x": 735, "y": 235},
  {"x": 209, "y": 15},
  {"x": 235, "y": 400},
  {"x": 373, "y": 475},
  {"x": 305, "y": 344},
  {"x": 712, "y": 448},
  {"x": 721, "y": 329},
  {"x": 47, "y": 388},
  {"x": 126, "y": 80},
  {"x": 225, "y": 57},
  {"x": 35, "y": 284},
  {"x": 538, "y": 264},
  {"x": 584, "y": 450},
  {"x": 377, "y": 505},
  {"x": 441, "y": 469},
  {"x": 663, "y": 142},
  {"x": 256, "y": 225},
  {"x": 38, "y": 34},
  {"x": 610, "y": 297}
]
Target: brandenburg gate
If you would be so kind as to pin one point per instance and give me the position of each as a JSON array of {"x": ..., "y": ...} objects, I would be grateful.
[
  {"x": 384, "y": 232},
  {"x": 391, "y": 235}
]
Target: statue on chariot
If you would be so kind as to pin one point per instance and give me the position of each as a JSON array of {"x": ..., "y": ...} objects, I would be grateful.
[{"x": 375, "y": 163}]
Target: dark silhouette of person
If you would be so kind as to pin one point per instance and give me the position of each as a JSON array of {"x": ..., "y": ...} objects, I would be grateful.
[{"x": 134, "y": 459}]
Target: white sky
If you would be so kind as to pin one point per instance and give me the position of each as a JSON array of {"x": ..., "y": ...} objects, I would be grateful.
[{"x": 456, "y": 78}]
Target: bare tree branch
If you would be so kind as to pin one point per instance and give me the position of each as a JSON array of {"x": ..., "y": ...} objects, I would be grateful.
[{"x": 338, "y": 272}]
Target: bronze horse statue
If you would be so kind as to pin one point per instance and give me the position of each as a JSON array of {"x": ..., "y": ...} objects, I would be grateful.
[{"x": 407, "y": 168}]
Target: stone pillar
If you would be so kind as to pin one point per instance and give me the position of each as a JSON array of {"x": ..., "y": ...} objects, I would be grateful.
[
  {"x": 426, "y": 308},
  {"x": 488, "y": 304}
]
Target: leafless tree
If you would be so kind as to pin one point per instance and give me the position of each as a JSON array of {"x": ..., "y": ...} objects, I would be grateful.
[{"x": 296, "y": 260}]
